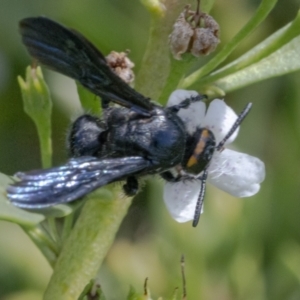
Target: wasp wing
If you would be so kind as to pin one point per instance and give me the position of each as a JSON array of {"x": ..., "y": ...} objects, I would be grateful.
[
  {"x": 71, "y": 54},
  {"x": 78, "y": 177}
]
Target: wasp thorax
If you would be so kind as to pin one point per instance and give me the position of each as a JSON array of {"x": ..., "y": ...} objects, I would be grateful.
[
  {"x": 84, "y": 137},
  {"x": 202, "y": 145},
  {"x": 195, "y": 32},
  {"x": 121, "y": 65}
]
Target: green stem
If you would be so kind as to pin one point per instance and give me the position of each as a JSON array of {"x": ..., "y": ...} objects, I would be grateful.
[
  {"x": 67, "y": 227},
  {"x": 83, "y": 252},
  {"x": 178, "y": 70},
  {"x": 44, "y": 133},
  {"x": 155, "y": 68},
  {"x": 53, "y": 230},
  {"x": 262, "y": 12},
  {"x": 44, "y": 243}
]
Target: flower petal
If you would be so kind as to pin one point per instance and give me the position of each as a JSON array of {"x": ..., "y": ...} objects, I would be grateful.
[
  {"x": 219, "y": 119},
  {"x": 236, "y": 173},
  {"x": 192, "y": 116},
  {"x": 181, "y": 198}
]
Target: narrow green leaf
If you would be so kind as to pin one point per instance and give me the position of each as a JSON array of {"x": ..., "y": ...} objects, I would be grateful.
[
  {"x": 44, "y": 242},
  {"x": 262, "y": 50},
  {"x": 283, "y": 61}
]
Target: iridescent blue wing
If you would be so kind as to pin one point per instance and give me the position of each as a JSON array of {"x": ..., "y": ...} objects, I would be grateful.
[
  {"x": 71, "y": 54},
  {"x": 78, "y": 177}
]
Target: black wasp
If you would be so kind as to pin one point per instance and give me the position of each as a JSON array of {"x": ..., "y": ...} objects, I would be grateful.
[{"x": 137, "y": 138}]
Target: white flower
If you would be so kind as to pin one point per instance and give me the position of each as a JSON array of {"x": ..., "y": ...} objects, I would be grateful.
[{"x": 236, "y": 173}]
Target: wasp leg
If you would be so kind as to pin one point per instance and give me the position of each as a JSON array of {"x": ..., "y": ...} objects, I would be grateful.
[
  {"x": 186, "y": 103},
  {"x": 104, "y": 102},
  {"x": 168, "y": 176},
  {"x": 131, "y": 186}
]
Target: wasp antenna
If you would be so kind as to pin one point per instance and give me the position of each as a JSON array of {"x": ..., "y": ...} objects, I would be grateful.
[
  {"x": 187, "y": 102},
  {"x": 236, "y": 124},
  {"x": 200, "y": 198}
]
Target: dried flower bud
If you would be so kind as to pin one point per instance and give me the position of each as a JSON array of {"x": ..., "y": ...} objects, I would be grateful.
[
  {"x": 181, "y": 36},
  {"x": 211, "y": 24},
  {"x": 121, "y": 65},
  {"x": 194, "y": 32},
  {"x": 204, "y": 42}
]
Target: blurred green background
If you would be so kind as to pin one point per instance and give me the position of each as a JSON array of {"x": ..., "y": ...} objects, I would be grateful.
[{"x": 242, "y": 248}]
